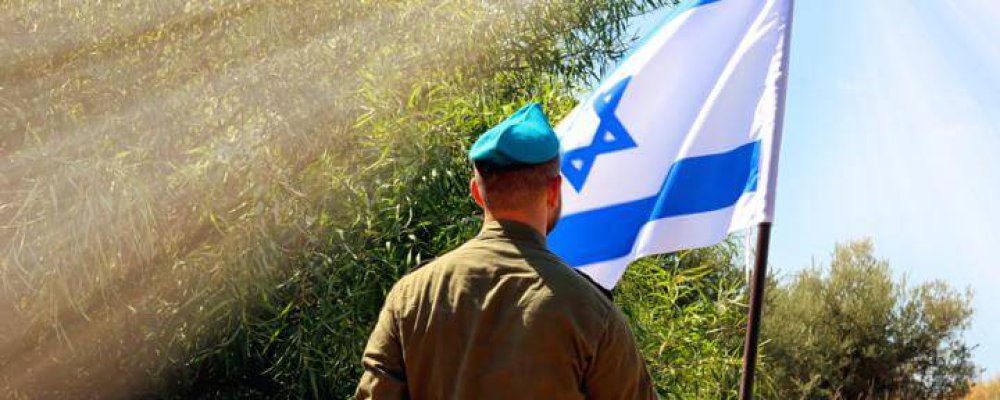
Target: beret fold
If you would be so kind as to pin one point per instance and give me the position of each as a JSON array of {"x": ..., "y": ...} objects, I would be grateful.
[{"x": 526, "y": 137}]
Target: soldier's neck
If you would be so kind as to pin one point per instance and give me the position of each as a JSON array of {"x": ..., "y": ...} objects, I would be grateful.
[{"x": 535, "y": 220}]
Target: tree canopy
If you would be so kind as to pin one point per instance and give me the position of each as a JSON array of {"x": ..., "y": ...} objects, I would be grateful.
[{"x": 849, "y": 330}]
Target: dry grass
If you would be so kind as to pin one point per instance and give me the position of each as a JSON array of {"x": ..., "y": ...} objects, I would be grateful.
[{"x": 985, "y": 390}]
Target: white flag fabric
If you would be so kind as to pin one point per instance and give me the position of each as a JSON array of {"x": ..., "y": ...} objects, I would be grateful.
[{"x": 679, "y": 146}]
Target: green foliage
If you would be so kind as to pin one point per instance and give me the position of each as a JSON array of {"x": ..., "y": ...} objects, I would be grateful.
[
  {"x": 850, "y": 331},
  {"x": 688, "y": 312}
]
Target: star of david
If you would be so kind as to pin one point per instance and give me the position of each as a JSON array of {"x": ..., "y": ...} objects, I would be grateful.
[{"x": 609, "y": 137}]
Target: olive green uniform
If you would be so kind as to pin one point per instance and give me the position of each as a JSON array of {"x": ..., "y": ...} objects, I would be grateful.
[{"x": 501, "y": 317}]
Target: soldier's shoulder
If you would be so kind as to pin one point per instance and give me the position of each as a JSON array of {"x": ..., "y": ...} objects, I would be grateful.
[
  {"x": 575, "y": 284},
  {"x": 421, "y": 265},
  {"x": 429, "y": 266},
  {"x": 593, "y": 284},
  {"x": 421, "y": 277},
  {"x": 586, "y": 288}
]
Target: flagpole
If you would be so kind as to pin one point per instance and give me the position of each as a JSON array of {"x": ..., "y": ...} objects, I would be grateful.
[
  {"x": 756, "y": 303},
  {"x": 759, "y": 279}
]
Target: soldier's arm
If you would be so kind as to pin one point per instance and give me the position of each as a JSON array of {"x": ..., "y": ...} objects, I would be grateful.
[
  {"x": 618, "y": 370},
  {"x": 384, "y": 374}
]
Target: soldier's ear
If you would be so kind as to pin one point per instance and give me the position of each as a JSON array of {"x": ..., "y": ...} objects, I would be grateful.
[
  {"x": 554, "y": 191},
  {"x": 477, "y": 195}
]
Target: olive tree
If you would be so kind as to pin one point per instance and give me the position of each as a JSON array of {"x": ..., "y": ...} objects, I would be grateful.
[{"x": 850, "y": 330}]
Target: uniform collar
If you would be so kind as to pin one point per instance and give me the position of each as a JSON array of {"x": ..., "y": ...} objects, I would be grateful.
[{"x": 512, "y": 230}]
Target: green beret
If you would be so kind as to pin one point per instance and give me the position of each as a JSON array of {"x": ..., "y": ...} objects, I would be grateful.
[{"x": 523, "y": 138}]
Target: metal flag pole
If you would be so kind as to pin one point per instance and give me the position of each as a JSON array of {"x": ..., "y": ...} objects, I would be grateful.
[
  {"x": 759, "y": 279},
  {"x": 753, "y": 317}
]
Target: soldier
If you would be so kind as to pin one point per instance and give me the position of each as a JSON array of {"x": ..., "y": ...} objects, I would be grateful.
[{"x": 502, "y": 316}]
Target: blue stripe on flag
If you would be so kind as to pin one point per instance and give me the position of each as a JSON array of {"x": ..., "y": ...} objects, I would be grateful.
[{"x": 693, "y": 185}]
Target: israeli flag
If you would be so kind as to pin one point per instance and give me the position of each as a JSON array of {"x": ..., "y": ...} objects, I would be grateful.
[{"x": 679, "y": 146}]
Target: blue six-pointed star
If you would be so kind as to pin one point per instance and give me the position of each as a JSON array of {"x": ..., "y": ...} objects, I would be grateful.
[{"x": 610, "y": 136}]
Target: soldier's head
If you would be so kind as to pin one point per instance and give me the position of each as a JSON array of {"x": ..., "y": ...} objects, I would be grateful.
[
  {"x": 528, "y": 190},
  {"x": 517, "y": 170}
]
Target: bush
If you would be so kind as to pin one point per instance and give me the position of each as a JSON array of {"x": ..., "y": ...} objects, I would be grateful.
[
  {"x": 688, "y": 311},
  {"x": 850, "y": 331}
]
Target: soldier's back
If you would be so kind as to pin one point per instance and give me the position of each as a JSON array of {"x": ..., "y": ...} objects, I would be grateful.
[{"x": 499, "y": 317}]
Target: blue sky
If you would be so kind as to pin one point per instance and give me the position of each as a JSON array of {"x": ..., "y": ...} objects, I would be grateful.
[{"x": 892, "y": 132}]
